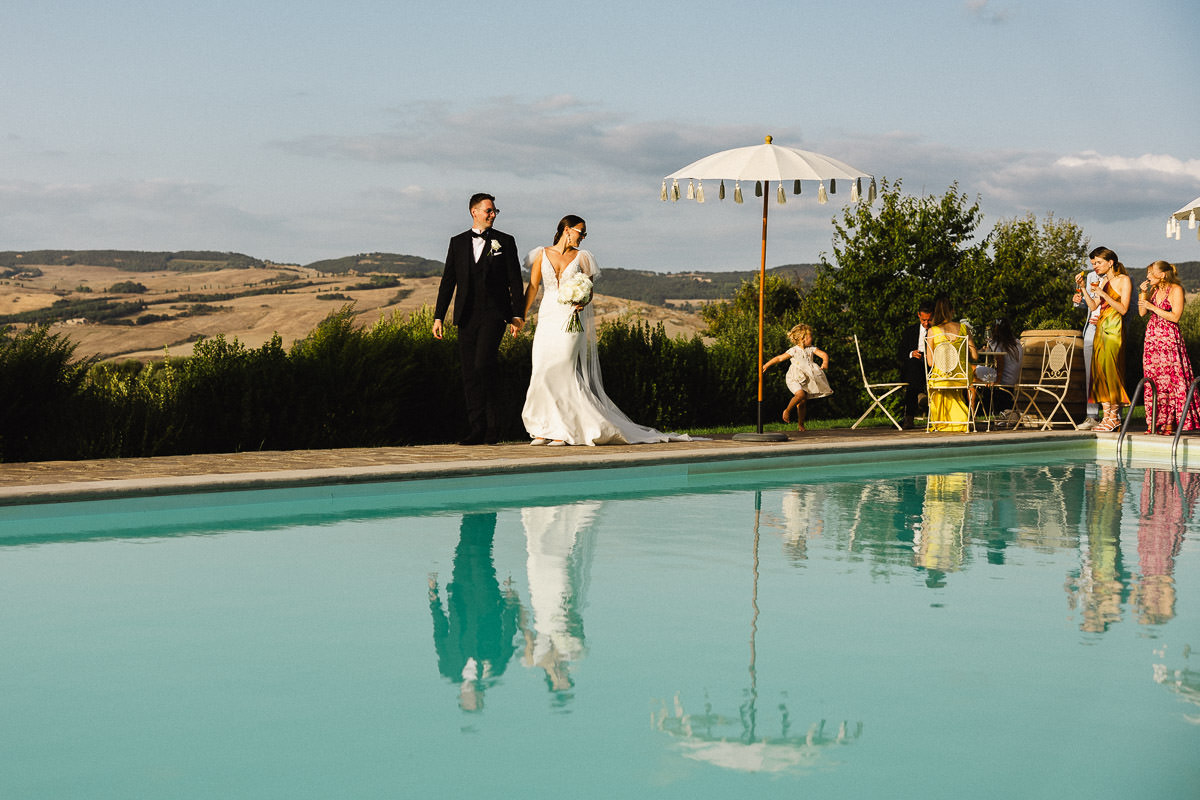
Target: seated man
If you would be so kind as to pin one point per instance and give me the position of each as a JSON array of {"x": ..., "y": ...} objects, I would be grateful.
[{"x": 910, "y": 357}]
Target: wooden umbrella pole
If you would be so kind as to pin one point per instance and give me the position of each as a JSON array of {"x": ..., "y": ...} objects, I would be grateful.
[{"x": 762, "y": 279}]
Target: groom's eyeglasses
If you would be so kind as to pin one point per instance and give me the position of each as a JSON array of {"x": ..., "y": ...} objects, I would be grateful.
[{"x": 491, "y": 211}]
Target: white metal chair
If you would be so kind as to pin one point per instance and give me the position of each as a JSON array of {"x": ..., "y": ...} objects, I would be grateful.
[
  {"x": 872, "y": 388},
  {"x": 948, "y": 370},
  {"x": 1054, "y": 381}
]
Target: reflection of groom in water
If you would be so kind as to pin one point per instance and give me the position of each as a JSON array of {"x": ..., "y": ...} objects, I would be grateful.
[{"x": 474, "y": 635}]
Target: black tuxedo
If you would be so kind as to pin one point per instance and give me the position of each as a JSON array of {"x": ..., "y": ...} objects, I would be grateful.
[
  {"x": 912, "y": 370},
  {"x": 488, "y": 294}
]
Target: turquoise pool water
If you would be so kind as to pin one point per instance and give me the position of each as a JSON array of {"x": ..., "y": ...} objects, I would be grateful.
[{"x": 1018, "y": 631}]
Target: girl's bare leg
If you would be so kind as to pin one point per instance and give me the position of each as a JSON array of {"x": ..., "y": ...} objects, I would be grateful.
[{"x": 797, "y": 403}]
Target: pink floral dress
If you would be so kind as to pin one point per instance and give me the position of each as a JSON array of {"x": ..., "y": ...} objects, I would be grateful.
[{"x": 1165, "y": 361}]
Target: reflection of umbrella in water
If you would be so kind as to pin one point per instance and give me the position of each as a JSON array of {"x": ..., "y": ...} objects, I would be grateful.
[
  {"x": 736, "y": 743},
  {"x": 763, "y": 164},
  {"x": 1189, "y": 212}
]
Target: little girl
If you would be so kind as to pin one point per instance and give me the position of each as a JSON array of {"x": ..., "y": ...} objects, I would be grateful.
[{"x": 804, "y": 378}]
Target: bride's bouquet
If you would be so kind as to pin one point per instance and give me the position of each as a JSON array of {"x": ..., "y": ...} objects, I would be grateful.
[{"x": 575, "y": 291}]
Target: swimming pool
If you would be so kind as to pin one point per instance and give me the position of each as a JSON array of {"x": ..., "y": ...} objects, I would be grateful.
[{"x": 936, "y": 631}]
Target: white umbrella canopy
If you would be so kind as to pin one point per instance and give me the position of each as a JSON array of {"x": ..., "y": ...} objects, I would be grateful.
[
  {"x": 766, "y": 162},
  {"x": 763, "y": 164},
  {"x": 1188, "y": 212}
]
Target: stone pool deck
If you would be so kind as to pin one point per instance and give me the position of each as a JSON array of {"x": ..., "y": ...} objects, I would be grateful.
[{"x": 56, "y": 481}]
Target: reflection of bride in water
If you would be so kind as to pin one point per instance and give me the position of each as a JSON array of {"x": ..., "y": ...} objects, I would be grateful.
[{"x": 561, "y": 545}]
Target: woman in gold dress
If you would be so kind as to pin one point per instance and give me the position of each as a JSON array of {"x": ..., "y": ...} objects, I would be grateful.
[
  {"x": 949, "y": 409},
  {"x": 1108, "y": 348}
]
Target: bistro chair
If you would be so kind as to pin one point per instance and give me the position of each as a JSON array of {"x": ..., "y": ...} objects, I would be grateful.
[
  {"x": 878, "y": 392},
  {"x": 1054, "y": 381},
  {"x": 947, "y": 370}
]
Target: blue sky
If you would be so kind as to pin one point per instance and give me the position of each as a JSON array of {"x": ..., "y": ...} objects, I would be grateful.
[{"x": 302, "y": 130}]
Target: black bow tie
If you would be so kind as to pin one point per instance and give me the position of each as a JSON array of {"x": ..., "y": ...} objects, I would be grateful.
[{"x": 475, "y": 235}]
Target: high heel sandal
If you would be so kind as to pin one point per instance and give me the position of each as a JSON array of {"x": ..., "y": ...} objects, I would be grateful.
[{"x": 1110, "y": 423}]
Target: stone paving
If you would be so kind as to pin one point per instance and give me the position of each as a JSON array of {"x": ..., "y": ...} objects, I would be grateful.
[{"x": 51, "y": 481}]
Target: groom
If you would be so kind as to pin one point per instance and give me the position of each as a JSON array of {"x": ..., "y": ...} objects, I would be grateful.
[{"x": 483, "y": 268}]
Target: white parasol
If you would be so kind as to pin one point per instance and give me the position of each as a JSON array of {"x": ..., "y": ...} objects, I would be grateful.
[
  {"x": 737, "y": 742},
  {"x": 1188, "y": 212},
  {"x": 764, "y": 164}
]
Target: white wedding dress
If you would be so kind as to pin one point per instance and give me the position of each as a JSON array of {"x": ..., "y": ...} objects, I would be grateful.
[{"x": 566, "y": 399}]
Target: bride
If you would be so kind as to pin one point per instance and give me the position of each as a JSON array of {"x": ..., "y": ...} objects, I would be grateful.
[{"x": 566, "y": 402}]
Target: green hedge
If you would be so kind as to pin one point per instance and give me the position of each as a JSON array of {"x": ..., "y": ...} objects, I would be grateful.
[{"x": 391, "y": 383}]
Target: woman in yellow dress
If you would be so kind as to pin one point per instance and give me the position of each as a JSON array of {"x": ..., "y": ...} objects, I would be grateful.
[
  {"x": 1108, "y": 348},
  {"x": 949, "y": 409}
]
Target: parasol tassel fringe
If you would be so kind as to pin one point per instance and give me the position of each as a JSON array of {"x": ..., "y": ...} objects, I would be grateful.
[
  {"x": 822, "y": 197},
  {"x": 833, "y": 185},
  {"x": 699, "y": 191},
  {"x": 1170, "y": 226},
  {"x": 691, "y": 195},
  {"x": 1192, "y": 220},
  {"x": 856, "y": 190},
  {"x": 871, "y": 192},
  {"x": 721, "y": 191},
  {"x": 664, "y": 191},
  {"x": 758, "y": 188},
  {"x": 796, "y": 188},
  {"x": 674, "y": 191},
  {"x": 781, "y": 196},
  {"x": 737, "y": 192}
]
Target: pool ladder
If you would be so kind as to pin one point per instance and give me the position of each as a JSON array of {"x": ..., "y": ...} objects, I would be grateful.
[{"x": 1187, "y": 403}]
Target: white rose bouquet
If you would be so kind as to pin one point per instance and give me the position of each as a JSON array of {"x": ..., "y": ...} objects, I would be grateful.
[{"x": 575, "y": 291}]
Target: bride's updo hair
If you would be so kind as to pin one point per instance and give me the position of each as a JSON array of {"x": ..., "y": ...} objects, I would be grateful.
[{"x": 569, "y": 221}]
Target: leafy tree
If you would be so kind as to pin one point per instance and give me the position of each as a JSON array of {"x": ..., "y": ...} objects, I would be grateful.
[
  {"x": 1032, "y": 274},
  {"x": 889, "y": 258}
]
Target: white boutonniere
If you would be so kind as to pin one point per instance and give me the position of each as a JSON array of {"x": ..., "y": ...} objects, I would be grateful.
[{"x": 495, "y": 247}]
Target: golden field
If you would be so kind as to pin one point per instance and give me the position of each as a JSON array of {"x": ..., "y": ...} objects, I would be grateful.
[{"x": 252, "y": 319}]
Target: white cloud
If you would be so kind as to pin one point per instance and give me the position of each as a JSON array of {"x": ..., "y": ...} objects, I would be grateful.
[
  {"x": 559, "y": 135},
  {"x": 405, "y": 190},
  {"x": 1147, "y": 163}
]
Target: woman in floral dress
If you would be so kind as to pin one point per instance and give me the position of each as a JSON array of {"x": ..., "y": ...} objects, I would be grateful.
[{"x": 1164, "y": 359}]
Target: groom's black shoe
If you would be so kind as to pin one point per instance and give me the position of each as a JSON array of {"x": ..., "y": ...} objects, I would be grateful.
[
  {"x": 474, "y": 437},
  {"x": 491, "y": 438}
]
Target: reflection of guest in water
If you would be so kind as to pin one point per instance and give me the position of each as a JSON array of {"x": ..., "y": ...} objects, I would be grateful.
[
  {"x": 474, "y": 634},
  {"x": 803, "y": 517},
  {"x": 560, "y": 547},
  {"x": 939, "y": 545},
  {"x": 1101, "y": 585},
  {"x": 1163, "y": 515}
]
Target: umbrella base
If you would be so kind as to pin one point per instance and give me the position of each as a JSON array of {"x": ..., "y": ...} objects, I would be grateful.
[{"x": 769, "y": 436}]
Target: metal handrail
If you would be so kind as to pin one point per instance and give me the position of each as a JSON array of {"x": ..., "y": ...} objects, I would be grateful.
[
  {"x": 1187, "y": 404},
  {"x": 1133, "y": 402}
]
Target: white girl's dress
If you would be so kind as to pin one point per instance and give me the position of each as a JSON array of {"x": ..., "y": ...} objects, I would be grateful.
[
  {"x": 803, "y": 373},
  {"x": 566, "y": 399}
]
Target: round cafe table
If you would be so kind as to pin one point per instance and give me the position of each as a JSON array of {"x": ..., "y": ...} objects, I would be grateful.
[{"x": 990, "y": 359}]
